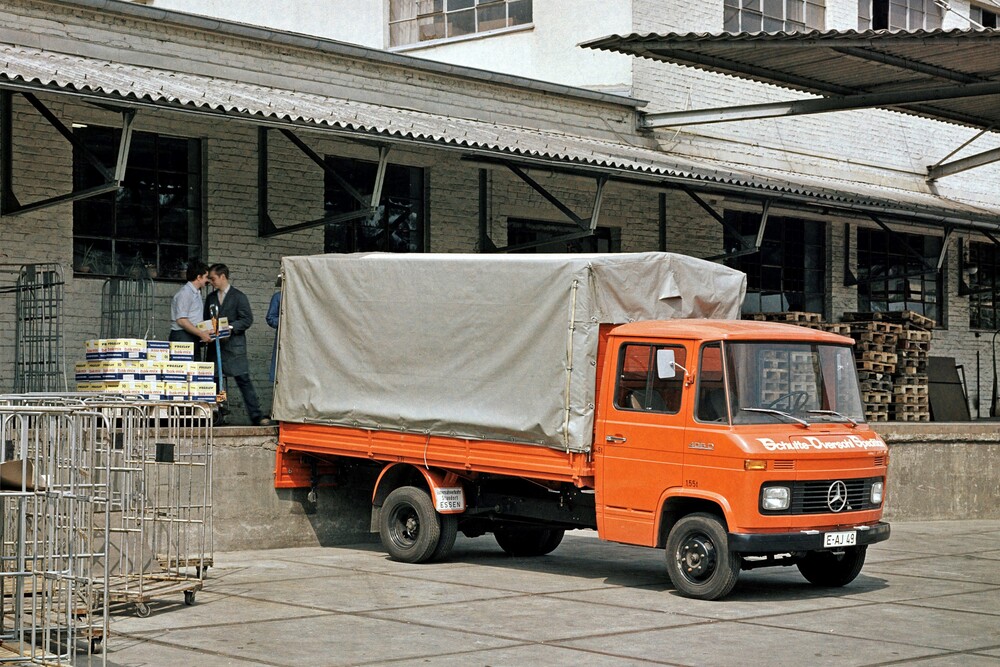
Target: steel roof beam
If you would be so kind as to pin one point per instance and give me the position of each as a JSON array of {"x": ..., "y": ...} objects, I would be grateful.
[
  {"x": 963, "y": 164},
  {"x": 814, "y": 106}
]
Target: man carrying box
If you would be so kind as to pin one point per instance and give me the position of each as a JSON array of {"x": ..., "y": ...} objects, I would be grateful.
[
  {"x": 234, "y": 305},
  {"x": 186, "y": 309}
]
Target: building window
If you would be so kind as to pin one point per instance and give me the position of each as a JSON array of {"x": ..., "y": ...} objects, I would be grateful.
[
  {"x": 984, "y": 286},
  {"x": 398, "y": 222},
  {"x": 788, "y": 272},
  {"x": 987, "y": 18},
  {"x": 892, "y": 278},
  {"x": 898, "y": 15},
  {"x": 415, "y": 21},
  {"x": 522, "y": 232},
  {"x": 151, "y": 226},
  {"x": 773, "y": 15}
]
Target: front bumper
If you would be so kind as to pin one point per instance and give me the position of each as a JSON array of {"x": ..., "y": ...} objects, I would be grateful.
[{"x": 772, "y": 543}]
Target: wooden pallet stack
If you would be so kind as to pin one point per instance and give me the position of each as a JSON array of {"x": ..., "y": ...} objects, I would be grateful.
[
  {"x": 803, "y": 319},
  {"x": 876, "y": 357},
  {"x": 907, "y": 381}
]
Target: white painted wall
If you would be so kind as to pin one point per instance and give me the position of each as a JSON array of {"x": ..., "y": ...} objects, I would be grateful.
[
  {"x": 359, "y": 22},
  {"x": 548, "y": 49}
]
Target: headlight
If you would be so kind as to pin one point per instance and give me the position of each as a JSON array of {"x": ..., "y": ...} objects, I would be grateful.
[
  {"x": 775, "y": 498},
  {"x": 877, "y": 493}
]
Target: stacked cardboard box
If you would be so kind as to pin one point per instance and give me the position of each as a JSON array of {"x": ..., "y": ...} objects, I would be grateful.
[{"x": 153, "y": 370}]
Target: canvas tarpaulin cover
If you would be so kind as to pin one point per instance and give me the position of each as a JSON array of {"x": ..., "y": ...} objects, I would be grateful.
[{"x": 497, "y": 347}]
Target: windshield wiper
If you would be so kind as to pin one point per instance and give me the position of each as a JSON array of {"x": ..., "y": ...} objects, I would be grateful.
[
  {"x": 834, "y": 413},
  {"x": 769, "y": 411}
]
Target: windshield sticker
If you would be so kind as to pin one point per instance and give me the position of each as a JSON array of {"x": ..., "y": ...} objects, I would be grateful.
[{"x": 814, "y": 443}]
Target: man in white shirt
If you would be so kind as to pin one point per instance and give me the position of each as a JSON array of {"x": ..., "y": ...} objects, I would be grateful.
[{"x": 187, "y": 307}]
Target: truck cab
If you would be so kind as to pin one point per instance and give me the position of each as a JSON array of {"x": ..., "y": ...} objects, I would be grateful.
[{"x": 736, "y": 445}]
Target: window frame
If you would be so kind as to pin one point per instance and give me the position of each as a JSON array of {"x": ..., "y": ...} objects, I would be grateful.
[
  {"x": 445, "y": 16},
  {"x": 105, "y": 224},
  {"x": 416, "y": 196},
  {"x": 985, "y": 257},
  {"x": 653, "y": 383},
  {"x": 986, "y": 17},
  {"x": 783, "y": 237},
  {"x": 760, "y": 15},
  {"x": 870, "y": 15},
  {"x": 605, "y": 239},
  {"x": 726, "y": 420},
  {"x": 893, "y": 248}
]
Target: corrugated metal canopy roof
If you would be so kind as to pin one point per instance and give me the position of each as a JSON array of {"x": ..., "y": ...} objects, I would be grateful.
[
  {"x": 31, "y": 69},
  {"x": 927, "y": 73}
]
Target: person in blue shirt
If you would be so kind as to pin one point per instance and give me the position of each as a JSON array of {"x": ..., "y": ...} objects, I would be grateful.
[
  {"x": 273, "y": 313},
  {"x": 186, "y": 308}
]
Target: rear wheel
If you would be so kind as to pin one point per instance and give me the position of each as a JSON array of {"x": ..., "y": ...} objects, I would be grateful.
[
  {"x": 528, "y": 540},
  {"x": 698, "y": 558},
  {"x": 832, "y": 570},
  {"x": 449, "y": 531},
  {"x": 409, "y": 526}
]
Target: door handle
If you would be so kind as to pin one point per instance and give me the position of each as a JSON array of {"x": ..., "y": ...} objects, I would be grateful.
[{"x": 614, "y": 438}]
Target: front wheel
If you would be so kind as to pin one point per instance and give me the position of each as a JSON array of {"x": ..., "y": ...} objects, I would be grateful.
[
  {"x": 409, "y": 526},
  {"x": 832, "y": 570},
  {"x": 699, "y": 562}
]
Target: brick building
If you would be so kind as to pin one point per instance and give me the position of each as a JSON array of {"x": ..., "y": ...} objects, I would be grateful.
[{"x": 250, "y": 144}]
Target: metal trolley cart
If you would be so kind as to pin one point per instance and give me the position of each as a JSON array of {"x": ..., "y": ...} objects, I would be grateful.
[
  {"x": 159, "y": 510},
  {"x": 161, "y": 457},
  {"x": 53, "y": 518}
]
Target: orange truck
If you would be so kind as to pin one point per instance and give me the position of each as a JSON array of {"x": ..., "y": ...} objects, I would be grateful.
[{"x": 526, "y": 396}]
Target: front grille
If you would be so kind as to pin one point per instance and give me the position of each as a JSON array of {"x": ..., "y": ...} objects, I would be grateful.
[
  {"x": 810, "y": 497},
  {"x": 784, "y": 465}
]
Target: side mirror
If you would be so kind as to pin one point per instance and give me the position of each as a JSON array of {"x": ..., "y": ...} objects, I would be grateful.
[{"x": 666, "y": 366}]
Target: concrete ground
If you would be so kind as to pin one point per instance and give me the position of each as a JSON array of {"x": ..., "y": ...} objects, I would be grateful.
[{"x": 929, "y": 596}]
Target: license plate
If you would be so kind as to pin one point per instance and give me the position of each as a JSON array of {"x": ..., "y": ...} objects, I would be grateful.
[{"x": 847, "y": 538}]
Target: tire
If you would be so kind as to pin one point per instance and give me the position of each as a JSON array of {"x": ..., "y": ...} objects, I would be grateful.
[
  {"x": 528, "y": 540},
  {"x": 409, "y": 525},
  {"x": 699, "y": 562},
  {"x": 449, "y": 531},
  {"x": 830, "y": 570}
]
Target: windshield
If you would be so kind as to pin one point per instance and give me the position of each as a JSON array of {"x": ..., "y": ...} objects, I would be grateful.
[{"x": 808, "y": 381}]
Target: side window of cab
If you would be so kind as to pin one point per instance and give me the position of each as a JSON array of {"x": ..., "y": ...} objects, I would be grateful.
[
  {"x": 639, "y": 386},
  {"x": 711, "y": 395}
]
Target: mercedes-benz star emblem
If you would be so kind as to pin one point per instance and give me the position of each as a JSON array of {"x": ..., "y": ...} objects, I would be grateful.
[{"x": 836, "y": 496}]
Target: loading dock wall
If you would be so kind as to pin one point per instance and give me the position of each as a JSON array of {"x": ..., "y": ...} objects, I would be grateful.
[{"x": 936, "y": 472}]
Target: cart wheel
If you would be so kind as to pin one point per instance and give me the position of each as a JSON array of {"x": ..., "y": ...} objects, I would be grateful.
[
  {"x": 96, "y": 645},
  {"x": 142, "y": 610},
  {"x": 188, "y": 598},
  {"x": 201, "y": 572}
]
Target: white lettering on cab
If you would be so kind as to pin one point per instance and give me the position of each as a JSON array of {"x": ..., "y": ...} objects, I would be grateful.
[{"x": 815, "y": 443}]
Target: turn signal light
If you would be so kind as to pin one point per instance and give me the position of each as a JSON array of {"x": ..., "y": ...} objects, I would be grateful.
[{"x": 754, "y": 464}]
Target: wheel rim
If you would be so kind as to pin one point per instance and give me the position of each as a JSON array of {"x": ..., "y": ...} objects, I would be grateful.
[
  {"x": 404, "y": 527},
  {"x": 697, "y": 558}
]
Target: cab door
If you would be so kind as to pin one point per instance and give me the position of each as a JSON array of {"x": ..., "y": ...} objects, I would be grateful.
[{"x": 641, "y": 440}]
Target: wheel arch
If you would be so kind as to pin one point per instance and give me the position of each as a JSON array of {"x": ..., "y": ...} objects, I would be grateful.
[
  {"x": 676, "y": 506},
  {"x": 430, "y": 480}
]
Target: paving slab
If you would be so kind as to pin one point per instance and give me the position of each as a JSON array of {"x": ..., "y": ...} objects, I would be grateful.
[
  {"x": 930, "y": 596},
  {"x": 738, "y": 644},
  {"x": 908, "y": 624}
]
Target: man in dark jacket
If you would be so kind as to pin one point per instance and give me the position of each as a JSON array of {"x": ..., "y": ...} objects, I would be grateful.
[{"x": 234, "y": 305}]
